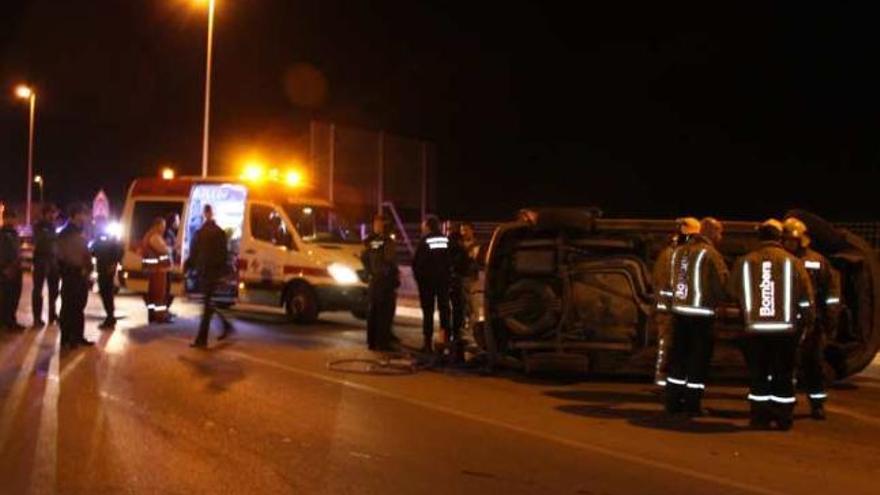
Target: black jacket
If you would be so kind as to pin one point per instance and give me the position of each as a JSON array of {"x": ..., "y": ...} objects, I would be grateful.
[
  {"x": 432, "y": 261},
  {"x": 74, "y": 258},
  {"x": 10, "y": 252},
  {"x": 45, "y": 242},
  {"x": 108, "y": 253},
  {"x": 209, "y": 254},
  {"x": 380, "y": 261}
]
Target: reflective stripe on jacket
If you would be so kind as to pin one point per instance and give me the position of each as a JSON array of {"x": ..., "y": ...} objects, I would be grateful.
[{"x": 698, "y": 278}]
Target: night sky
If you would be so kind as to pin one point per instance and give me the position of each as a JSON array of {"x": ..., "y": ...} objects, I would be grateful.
[{"x": 637, "y": 107}]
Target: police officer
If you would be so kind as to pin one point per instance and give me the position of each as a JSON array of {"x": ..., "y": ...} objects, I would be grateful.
[
  {"x": 45, "y": 265},
  {"x": 826, "y": 294},
  {"x": 775, "y": 295},
  {"x": 685, "y": 227},
  {"x": 209, "y": 256},
  {"x": 108, "y": 253},
  {"x": 10, "y": 272},
  {"x": 75, "y": 265},
  {"x": 698, "y": 283},
  {"x": 380, "y": 262},
  {"x": 431, "y": 268}
]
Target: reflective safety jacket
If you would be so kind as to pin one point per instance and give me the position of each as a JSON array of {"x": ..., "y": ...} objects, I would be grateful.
[
  {"x": 774, "y": 290},
  {"x": 824, "y": 279},
  {"x": 698, "y": 278},
  {"x": 660, "y": 278}
]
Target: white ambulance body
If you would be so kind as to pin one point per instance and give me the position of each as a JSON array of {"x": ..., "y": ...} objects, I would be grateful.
[{"x": 288, "y": 250}]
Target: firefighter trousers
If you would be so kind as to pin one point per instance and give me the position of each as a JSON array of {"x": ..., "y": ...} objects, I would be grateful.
[
  {"x": 771, "y": 360},
  {"x": 689, "y": 358},
  {"x": 811, "y": 361}
]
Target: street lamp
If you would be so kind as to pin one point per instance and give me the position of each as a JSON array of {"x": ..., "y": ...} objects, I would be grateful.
[
  {"x": 27, "y": 93},
  {"x": 38, "y": 180},
  {"x": 207, "y": 123}
]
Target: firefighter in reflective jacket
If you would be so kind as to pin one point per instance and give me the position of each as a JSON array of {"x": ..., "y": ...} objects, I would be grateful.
[
  {"x": 826, "y": 286},
  {"x": 697, "y": 282},
  {"x": 685, "y": 227},
  {"x": 380, "y": 262},
  {"x": 775, "y": 296},
  {"x": 432, "y": 270}
]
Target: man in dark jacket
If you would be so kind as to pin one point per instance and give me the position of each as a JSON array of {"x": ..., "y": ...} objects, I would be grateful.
[
  {"x": 108, "y": 252},
  {"x": 209, "y": 256},
  {"x": 10, "y": 272},
  {"x": 432, "y": 270},
  {"x": 380, "y": 262},
  {"x": 45, "y": 265},
  {"x": 75, "y": 265}
]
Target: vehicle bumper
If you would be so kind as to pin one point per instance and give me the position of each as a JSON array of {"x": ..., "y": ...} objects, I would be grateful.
[{"x": 341, "y": 298}]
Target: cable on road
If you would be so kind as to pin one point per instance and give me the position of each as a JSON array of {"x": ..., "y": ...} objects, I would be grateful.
[{"x": 387, "y": 364}]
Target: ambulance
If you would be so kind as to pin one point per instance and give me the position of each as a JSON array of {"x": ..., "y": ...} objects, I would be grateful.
[{"x": 288, "y": 250}]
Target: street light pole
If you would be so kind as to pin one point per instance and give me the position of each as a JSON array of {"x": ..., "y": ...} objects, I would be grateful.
[
  {"x": 39, "y": 181},
  {"x": 207, "y": 123},
  {"x": 27, "y": 93}
]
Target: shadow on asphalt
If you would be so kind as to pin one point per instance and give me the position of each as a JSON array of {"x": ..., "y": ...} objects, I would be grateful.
[{"x": 220, "y": 373}]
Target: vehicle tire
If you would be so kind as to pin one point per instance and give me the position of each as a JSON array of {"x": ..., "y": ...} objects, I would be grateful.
[{"x": 301, "y": 304}]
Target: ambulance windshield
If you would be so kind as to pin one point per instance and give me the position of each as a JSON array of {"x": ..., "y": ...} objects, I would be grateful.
[{"x": 320, "y": 224}]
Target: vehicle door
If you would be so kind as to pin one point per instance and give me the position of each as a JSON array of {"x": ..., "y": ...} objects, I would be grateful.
[{"x": 269, "y": 240}]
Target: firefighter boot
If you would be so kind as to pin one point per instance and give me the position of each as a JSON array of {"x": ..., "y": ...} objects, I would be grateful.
[
  {"x": 693, "y": 402},
  {"x": 674, "y": 399},
  {"x": 817, "y": 410},
  {"x": 759, "y": 416},
  {"x": 783, "y": 414}
]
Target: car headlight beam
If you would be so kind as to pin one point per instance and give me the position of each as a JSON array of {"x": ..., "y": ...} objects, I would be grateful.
[{"x": 343, "y": 274}]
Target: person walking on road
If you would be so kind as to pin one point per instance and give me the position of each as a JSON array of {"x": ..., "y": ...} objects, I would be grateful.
[
  {"x": 431, "y": 268},
  {"x": 108, "y": 252},
  {"x": 662, "y": 317},
  {"x": 157, "y": 262},
  {"x": 209, "y": 257},
  {"x": 75, "y": 265},
  {"x": 380, "y": 262},
  {"x": 45, "y": 266},
  {"x": 825, "y": 282},
  {"x": 698, "y": 283},
  {"x": 776, "y": 300},
  {"x": 10, "y": 272}
]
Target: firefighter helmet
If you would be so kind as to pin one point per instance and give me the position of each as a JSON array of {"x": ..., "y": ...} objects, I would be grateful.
[
  {"x": 795, "y": 229},
  {"x": 688, "y": 226}
]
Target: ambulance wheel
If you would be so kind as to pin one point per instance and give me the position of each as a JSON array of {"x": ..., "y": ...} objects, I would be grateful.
[{"x": 301, "y": 304}]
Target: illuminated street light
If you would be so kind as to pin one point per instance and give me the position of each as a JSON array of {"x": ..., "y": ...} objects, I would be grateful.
[
  {"x": 27, "y": 93},
  {"x": 38, "y": 180},
  {"x": 210, "y": 52}
]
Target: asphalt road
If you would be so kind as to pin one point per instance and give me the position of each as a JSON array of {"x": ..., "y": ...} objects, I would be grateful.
[{"x": 265, "y": 413}]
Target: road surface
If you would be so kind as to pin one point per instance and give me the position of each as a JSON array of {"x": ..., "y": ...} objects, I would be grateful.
[{"x": 265, "y": 413}]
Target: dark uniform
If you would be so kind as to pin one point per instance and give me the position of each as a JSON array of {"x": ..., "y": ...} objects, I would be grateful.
[
  {"x": 662, "y": 317},
  {"x": 10, "y": 277},
  {"x": 380, "y": 262},
  {"x": 698, "y": 285},
  {"x": 75, "y": 264},
  {"x": 209, "y": 256},
  {"x": 45, "y": 270},
  {"x": 776, "y": 301},
  {"x": 108, "y": 254},
  {"x": 431, "y": 267},
  {"x": 826, "y": 286}
]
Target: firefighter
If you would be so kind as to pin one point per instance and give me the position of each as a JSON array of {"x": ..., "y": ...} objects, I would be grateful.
[
  {"x": 685, "y": 227},
  {"x": 108, "y": 253},
  {"x": 698, "y": 283},
  {"x": 776, "y": 302},
  {"x": 75, "y": 265},
  {"x": 45, "y": 271},
  {"x": 826, "y": 294},
  {"x": 380, "y": 261},
  {"x": 157, "y": 262},
  {"x": 431, "y": 269},
  {"x": 209, "y": 257},
  {"x": 10, "y": 272}
]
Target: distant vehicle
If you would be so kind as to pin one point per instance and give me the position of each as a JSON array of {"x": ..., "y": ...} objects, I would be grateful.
[
  {"x": 288, "y": 250},
  {"x": 567, "y": 283}
]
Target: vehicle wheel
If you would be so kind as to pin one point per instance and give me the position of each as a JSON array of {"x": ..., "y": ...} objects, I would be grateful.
[{"x": 301, "y": 304}]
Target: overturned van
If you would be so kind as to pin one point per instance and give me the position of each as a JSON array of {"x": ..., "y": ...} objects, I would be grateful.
[
  {"x": 288, "y": 250},
  {"x": 568, "y": 283}
]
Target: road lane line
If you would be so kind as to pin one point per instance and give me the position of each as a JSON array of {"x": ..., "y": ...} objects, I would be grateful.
[{"x": 635, "y": 459}]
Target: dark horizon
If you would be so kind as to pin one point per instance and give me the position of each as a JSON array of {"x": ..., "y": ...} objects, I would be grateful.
[{"x": 642, "y": 110}]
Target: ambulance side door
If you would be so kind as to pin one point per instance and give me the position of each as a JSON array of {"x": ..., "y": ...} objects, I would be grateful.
[{"x": 263, "y": 256}]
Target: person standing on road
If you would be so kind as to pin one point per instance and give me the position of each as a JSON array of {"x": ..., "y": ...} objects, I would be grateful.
[
  {"x": 698, "y": 282},
  {"x": 775, "y": 296},
  {"x": 10, "y": 272},
  {"x": 826, "y": 294},
  {"x": 380, "y": 262},
  {"x": 108, "y": 252},
  {"x": 75, "y": 265},
  {"x": 156, "y": 262},
  {"x": 459, "y": 264},
  {"x": 172, "y": 229},
  {"x": 431, "y": 268},
  {"x": 45, "y": 271},
  {"x": 662, "y": 317},
  {"x": 470, "y": 280},
  {"x": 209, "y": 257}
]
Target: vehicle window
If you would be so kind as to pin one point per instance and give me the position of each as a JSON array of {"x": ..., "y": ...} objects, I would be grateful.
[
  {"x": 268, "y": 225},
  {"x": 145, "y": 212},
  {"x": 317, "y": 224}
]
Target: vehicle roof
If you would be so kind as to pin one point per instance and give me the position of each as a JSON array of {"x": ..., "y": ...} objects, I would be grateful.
[{"x": 180, "y": 187}]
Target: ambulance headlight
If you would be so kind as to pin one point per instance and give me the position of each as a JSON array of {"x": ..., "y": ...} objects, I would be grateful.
[{"x": 342, "y": 274}]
